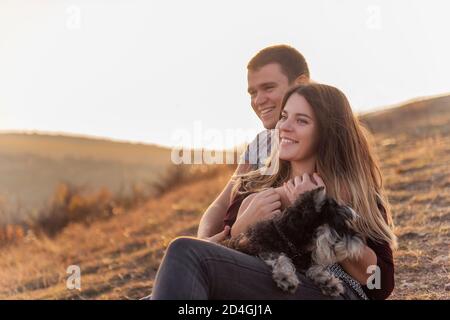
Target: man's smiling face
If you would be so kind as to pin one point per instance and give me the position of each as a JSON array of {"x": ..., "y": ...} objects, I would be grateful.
[{"x": 267, "y": 86}]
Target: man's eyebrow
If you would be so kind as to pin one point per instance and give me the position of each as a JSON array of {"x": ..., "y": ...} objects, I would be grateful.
[
  {"x": 270, "y": 83},
  {"x": 298, "y": 114}
]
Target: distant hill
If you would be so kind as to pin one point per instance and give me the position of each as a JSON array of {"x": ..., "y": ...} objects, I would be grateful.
[
  {"x": 414, "y": 115},
  {"x": 62, "y": 146},
  {"x": 31, "y": 166}
]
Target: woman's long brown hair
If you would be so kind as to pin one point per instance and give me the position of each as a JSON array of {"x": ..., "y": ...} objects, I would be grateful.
[{"x": 345, "y": 161}]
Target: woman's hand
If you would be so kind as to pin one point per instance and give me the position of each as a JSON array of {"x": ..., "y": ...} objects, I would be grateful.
[
  {"x": 299, "y": 185},
  {"x": 264, "y": 205}
]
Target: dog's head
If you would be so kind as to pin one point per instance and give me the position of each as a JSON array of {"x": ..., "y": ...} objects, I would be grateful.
[
  {"x": 314, "y": 200},
  {"x": 337, "y": 237},
  {"x": 319, "y": 226},
  {"x": 339, "y": 217}
]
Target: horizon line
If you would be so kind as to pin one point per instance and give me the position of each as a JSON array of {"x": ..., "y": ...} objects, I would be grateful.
[{"x": 164, "y": 146}]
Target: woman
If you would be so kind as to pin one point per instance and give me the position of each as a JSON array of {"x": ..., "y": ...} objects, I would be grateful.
[{"x": 321, "y": 144}]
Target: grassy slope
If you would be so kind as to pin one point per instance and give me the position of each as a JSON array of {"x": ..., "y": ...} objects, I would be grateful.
[
  {"x": 32, "y": 165},
  {"x": 119, "y": 257}
]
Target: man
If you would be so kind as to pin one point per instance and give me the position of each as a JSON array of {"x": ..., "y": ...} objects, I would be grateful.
[{"x": 269, "y": 74}]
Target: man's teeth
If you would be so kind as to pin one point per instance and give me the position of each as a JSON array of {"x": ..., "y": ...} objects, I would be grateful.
[
  {"x": 266, "y": 111},
  {"x": 287, "y": 140}
]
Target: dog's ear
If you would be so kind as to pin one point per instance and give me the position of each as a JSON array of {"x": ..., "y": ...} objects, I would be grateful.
[
  {"x": 354, "y": 214},
  {"x": 348, "y": 213},
  {"x": 323, "y": 251},
  {"x": 319, "y": 198}
]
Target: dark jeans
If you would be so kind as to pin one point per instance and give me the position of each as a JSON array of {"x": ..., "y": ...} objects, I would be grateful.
[{"x": 198, "y": 269}]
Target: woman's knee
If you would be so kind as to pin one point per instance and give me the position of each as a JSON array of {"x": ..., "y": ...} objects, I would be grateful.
[
  {"x": 188, "y": 251},
  {"x": 182, "y": 244}
]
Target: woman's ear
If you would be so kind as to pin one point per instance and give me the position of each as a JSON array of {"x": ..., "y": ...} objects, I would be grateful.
[{"x": 302, "y": 79}]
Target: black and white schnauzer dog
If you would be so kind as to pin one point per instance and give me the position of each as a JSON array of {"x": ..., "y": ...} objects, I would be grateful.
[{"x": 313, "y": 233}]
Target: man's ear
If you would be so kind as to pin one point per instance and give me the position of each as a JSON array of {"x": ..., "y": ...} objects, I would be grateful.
[{"x": 302, "y": 79}]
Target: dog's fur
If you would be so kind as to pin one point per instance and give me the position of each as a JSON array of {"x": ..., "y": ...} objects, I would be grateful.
[{"x": 308, "y": 236}]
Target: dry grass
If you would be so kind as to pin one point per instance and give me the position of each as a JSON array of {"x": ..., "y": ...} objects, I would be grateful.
[
  {"x": 119, "y": 257},
  {"x": 74, "y": 204},
  {"x": 413, "y": 145}
]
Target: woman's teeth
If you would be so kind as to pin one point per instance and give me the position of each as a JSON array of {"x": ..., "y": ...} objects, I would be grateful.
[{"x": 288, "y": 141}]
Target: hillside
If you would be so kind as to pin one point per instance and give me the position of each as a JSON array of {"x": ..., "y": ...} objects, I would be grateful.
[
  {"x": 118, "y": 257},
  {"x": 32, "y": 165}
]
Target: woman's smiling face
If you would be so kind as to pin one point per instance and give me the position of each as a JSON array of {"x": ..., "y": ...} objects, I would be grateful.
[{"x": 298, "y": 130}]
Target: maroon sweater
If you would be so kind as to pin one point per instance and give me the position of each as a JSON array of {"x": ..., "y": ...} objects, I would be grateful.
[{"x": 383, "y": 252}]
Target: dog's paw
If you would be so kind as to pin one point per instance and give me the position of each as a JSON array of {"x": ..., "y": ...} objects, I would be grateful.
[
  {"x": 327, "y": 282},
  {"x": 287, "y": 283},
  {"x": 333, "y": 287},
  {"x": 270, "y": 258},
  {"x": 283, "y": 271}
]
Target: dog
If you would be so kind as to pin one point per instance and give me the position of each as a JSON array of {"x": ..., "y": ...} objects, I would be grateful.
[{"x": 313, "y": 233}]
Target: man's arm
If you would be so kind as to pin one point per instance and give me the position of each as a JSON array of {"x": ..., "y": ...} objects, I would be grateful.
[{"x": 211, "y": 222}]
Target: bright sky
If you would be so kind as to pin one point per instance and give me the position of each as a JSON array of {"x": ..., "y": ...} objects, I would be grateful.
[{"x": 144, "y": 70}]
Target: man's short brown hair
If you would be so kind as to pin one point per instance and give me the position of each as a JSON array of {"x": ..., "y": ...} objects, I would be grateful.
[{"x": 292, "y": 62}]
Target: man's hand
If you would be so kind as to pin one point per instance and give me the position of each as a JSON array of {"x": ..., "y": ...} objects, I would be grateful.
[
  {"x": 299, "y": 185},
  {"x": 220, "y": 236}
]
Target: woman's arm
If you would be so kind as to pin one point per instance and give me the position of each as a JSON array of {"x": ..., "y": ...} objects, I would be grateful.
[
  {"x": 357, "y": 268},
  {"x": 379, "y": 255},
  {"x": 383, "y": 284}
]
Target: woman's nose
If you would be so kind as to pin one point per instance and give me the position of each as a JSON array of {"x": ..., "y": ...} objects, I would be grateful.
[{"x": 285, "y": 125}]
